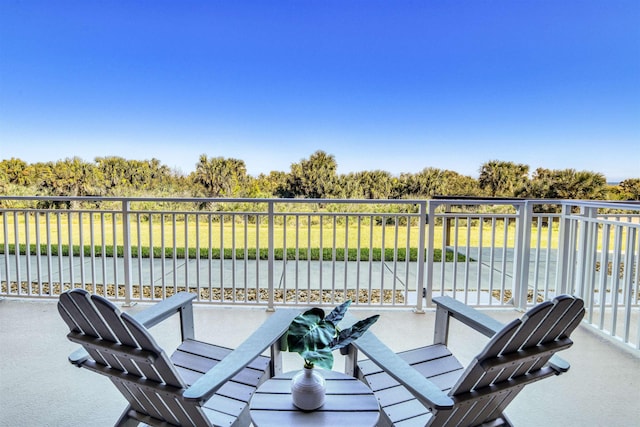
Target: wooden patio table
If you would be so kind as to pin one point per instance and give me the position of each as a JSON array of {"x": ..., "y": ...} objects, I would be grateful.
[{"x": 348, "y": 402}]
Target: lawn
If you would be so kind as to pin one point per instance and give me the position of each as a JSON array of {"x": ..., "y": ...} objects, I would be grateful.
[{"x": 199, "y": 234}]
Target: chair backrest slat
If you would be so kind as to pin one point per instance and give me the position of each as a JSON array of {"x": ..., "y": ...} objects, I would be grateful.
[
  {"x": 68, "y": 319},
  {"x": 196, "y": 415},
  {"x": 574, "y": 316},
  {"x": 90, "y": 313},
  {"x": 555, "y": 316},
  {"x": 124, "y": 388},
  {"x": 93, "y": 317},
  {"x": 475, "y": 372},
  {"x": 112, "y": 316},
  {"x": 82, "y": 324},
  {"x": 163, "y": 370},
  {"x": 531, "y": 320},
  {"x": 78, "y": 323}
]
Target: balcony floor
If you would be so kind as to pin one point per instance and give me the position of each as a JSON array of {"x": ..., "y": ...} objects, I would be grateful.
[{"x": 39, "y": 387}]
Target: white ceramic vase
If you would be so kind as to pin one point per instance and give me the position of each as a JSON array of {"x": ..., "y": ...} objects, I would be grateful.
[{"x": 308, "y": 389}]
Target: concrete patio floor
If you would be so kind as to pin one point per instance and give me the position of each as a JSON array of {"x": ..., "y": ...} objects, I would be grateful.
[{"x": 38, "y": 387}]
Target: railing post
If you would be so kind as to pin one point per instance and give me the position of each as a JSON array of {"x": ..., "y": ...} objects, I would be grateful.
[
  {"x": 522, "y": 257},
  {"x": 271, "y": 256},
  {"x": 427, "y": 219},
  {"x": 628, "y": 281},
  {"x": 564, "y": 246},
  {"x": 586, "y": 260},
  {"x": 447, "y": 224},
  {"x": 126, "y": 246},
  {"x": 5, "y": 239}
]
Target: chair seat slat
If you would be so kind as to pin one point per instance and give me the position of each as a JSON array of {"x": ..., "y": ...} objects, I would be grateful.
[
  {"x": 200, "y": 363},
  {"x": 217, "y": 352}
]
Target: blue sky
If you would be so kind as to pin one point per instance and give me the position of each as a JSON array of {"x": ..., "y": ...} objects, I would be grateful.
[{"x": 391, "y": 85}]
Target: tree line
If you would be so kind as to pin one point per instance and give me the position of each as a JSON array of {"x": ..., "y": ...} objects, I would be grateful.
[{"x": 313, "y": 177}]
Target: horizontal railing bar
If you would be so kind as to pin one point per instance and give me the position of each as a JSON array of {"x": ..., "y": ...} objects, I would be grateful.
[{"x": 200, "y": 200}]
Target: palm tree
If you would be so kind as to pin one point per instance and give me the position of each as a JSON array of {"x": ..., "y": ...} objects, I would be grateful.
[
  {"x": 503, "y": 179},
  {"x": 314, "y": 178},
  {"x": 220, "y": 177}
]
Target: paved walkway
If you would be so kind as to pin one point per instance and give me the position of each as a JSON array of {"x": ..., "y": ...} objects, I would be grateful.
[{"x": 485, "y": 267}]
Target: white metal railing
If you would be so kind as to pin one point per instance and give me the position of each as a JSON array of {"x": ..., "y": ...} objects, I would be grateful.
[
  {"x": 601, "y": 254},
  {"x": 269, "y": 252}
]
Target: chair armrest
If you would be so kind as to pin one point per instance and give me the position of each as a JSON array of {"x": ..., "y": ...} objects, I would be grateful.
[
  {"x": 178, "y": 303},
  {"x": 558, "y": 364},
  {"x": 486, "y": 325},
  {"x": 78, "y": 357},
  {"x": 471, "y": 317},
  {"x": 266, "y": 335},
  {"x": 423, "y": 389}
]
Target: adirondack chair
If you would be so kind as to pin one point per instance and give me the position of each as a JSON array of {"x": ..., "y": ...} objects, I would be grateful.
[
  {"x": 428, "y": 386},
  {"x": 199, "y": 385}
]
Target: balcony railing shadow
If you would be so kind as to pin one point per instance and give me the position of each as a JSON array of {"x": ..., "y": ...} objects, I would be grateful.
[{"x": 39, "y": 387}]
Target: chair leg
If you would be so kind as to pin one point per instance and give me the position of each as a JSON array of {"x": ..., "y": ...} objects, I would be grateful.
[
  {"x": 507, "y": 421},
  {"x": 503, "y": 421},
  {"x": 244, "y": 419},
  {"x": 125, "y": 420}
]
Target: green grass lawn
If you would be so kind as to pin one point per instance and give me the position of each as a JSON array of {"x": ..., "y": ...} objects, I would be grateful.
[{"x": 352, "y": 239}]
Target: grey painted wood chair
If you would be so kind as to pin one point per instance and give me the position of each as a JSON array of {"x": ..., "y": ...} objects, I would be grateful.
[
  {"x": 199, "y": 385},
  {"x": 428, "y": 386}
]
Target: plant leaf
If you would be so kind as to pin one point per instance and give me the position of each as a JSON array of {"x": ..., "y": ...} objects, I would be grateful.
[
  {"x": 322, "y": 358},
  {"x": 349, "y": 335},
  {"x": 337, "y": 313},
  {"x": 309, "y": 331}
]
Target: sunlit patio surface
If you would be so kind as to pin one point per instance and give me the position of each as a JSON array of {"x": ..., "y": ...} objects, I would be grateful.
[{"x": 38, "y": 387}]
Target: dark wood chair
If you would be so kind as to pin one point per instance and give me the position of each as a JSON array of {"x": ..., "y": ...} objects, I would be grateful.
[
  {"x": 428, "y": 386},
  {"x": 199, "y": 385}
]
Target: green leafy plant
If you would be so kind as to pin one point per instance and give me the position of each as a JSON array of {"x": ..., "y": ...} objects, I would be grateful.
[{"x": 314, "y": 336}]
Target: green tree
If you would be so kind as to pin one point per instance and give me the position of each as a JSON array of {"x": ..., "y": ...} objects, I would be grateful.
[
  {"x": 18, "y": 172},
  {"x": 432, "y": 182},
  {"x": 220, "y": 177},
  {"x": 456, "y": 184},
  {"x": 583, "y": 185},
  {"x": 72, "y": 177},
  {"x": 425, "y": 184},
  {"x": 121, "y": 176},
  {"x": 313, "y": 178},
  {"x": 272, "y": 185},
  {"x": 375, "y": 184},
  {"x": 565, "y": 184},
  {"x": 503, "y": 179},
  {"x": 630, "y": 189}
]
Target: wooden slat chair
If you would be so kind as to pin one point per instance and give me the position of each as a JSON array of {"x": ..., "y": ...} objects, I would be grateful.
[
  {"x": 199, "y": 385},
  {"x": 429, "y": 387}
]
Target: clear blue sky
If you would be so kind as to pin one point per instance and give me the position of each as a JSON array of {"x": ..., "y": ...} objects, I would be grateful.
[{"x": 391, "y": 85}]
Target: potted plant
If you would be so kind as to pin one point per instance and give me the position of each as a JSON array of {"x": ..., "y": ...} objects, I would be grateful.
[{"x": 315, "y": 336}]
